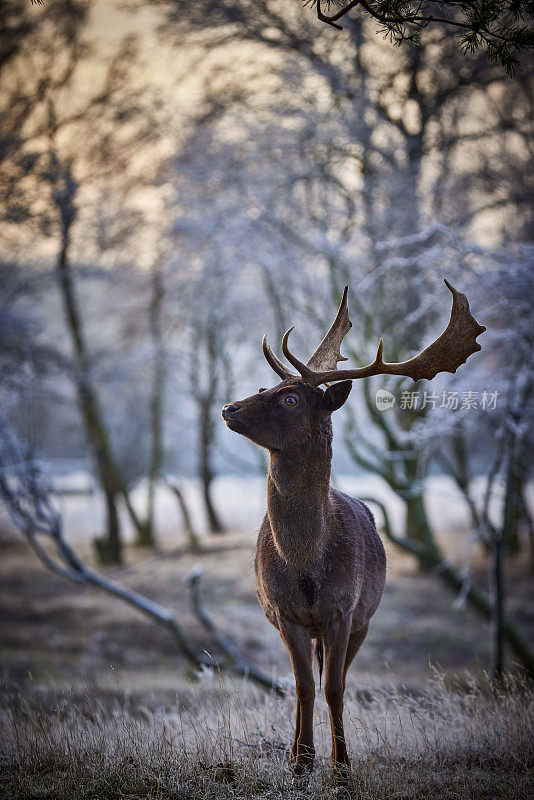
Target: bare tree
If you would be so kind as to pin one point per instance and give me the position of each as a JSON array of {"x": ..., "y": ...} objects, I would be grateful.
[
  {"x": 50, "y": 173},
  {"x": 460, "y": 443},
  {"x": 502, "y": 438}
]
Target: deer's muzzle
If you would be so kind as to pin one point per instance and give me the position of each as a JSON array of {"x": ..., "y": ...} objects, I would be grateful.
[{"x": 228, "y": 410}]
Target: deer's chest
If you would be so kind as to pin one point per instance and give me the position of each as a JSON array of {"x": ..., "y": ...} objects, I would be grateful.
[{"x": 307, "y": 597}]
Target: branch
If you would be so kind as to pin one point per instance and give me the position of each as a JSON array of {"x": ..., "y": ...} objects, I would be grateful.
[
  {"x": 239, "y": 663},
  {"x": 420, "y": 20},
  {"x": 412, "y": 546},
  {"x": 330, "y": 20}
]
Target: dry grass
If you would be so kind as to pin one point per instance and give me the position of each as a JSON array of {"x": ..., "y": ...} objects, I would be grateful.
[
  {"x": 160, "y": 735},
  {"x": 450, "y": 741}
]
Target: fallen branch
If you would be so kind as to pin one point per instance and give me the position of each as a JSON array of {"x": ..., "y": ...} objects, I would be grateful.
[{"x": 28, "y": 498}]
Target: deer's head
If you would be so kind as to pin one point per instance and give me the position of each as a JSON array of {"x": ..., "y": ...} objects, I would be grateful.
[
  {"x": 287, "y": 416},
  {"x": 297, "y": 408}
]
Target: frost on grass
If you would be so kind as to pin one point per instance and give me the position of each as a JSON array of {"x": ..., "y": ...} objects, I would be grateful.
[{"x": 449, "y": 741}]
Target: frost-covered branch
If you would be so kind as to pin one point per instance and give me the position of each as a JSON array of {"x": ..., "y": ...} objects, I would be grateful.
[{"x": 28, "y": 499}]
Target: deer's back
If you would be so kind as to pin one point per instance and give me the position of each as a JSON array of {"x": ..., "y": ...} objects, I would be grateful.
[{"x": 347, "y": 580}]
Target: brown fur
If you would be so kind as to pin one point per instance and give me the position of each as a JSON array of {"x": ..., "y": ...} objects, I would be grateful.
[{"x": 320, "y": 564}]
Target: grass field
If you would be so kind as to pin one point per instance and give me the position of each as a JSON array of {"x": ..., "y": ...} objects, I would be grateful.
[
  {"x": 447, "y": 742},
  {"x": 98, "y": 704}
]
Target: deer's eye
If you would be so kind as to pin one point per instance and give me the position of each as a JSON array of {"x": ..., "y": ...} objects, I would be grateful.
[{"x": 291, "y": 400}]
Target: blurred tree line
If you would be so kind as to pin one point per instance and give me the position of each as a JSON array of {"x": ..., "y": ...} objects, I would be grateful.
[{"x": 146, "y": 248}]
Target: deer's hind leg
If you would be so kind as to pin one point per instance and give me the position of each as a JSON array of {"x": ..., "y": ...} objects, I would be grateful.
[
  {"x": 297, "y": 734},
  {"x": 335, "y": 644},
  {"x": 297, "y": 640},
  {"x": 354, "y": 644}
]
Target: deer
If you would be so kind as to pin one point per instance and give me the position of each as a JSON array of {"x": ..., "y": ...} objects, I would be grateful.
[{"x": 320, "y": 564}]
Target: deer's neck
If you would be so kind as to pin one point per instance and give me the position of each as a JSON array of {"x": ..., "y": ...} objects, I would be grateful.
[{"x": 298, "y": 504}]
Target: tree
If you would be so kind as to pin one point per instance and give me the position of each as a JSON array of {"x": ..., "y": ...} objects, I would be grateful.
[
  {"x": 217, "y": 281},
  {"x": 415, "y": 433},
  {"x": 499, "y": 509},
  {"x": 157, "y": 394},
  {"x": 311, "y": 159},
  {"x": 209, "y": 336}
]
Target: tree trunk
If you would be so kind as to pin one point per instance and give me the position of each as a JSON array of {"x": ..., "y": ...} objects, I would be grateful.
[
  {"x": 498, "y": 609},
  {"x": 517, "y": 469},
  {"x": 215, "y": 524},
  {"x": 417, "y": 528},
  {"x": 206, "y": 472},
  {"x": 206, "y": 400},
  {"x": 417, "y": 525},
  {"x": 96, "y": 434},
  {"x": 109, "y": 548},
  {"x": 184, "y": 508},
  {"x": 108, "y": 474},
  {"x": 147, "y": 536},
  {"x": 412, "y": 222}
]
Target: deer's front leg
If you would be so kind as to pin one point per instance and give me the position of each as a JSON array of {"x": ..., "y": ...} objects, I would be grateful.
[
  {"x": 298, "y": 643},
  {"x": 335, "y": 644}
]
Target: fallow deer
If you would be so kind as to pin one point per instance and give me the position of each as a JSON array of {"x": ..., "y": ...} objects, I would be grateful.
[{"x": 320, "y": 564}]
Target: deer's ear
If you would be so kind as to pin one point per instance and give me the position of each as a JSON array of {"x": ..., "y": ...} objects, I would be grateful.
[{"x": 335, "y": 396}]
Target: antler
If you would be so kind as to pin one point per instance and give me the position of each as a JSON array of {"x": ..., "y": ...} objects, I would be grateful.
[
  {"x": 325, "y": 356},
  {"x": 328, "y": 353},
  {"x": 446, "y": 354},
  {"x": 274, "y": 362}
]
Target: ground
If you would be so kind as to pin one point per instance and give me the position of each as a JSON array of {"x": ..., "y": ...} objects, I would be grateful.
[{"x": 81, "y": 664}]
